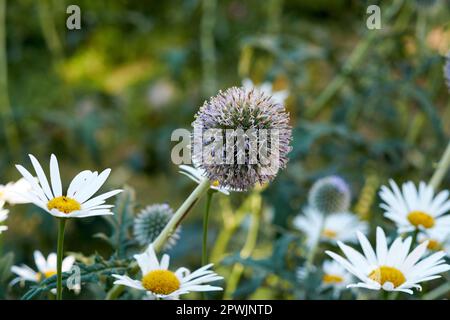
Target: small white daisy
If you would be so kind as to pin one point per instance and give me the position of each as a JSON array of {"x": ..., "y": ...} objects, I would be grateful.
[
  {"x": 76, "y": 203},
  {"x": 12, "y": 192},
  {"x": 198, "y": 175},
  {"x": 46, "y": 268},
  {"x": 330, "y": 228},
  {"x": 162, "y": 283},
  {"x": 3, "y": 216},
  {"x": 415, "y": 208},
  {"x": 438, "y": 239},
  {"x": 390, "y": 268},
  {"x": 267, "y": 88},
  {"x": 335, "y": 275}
]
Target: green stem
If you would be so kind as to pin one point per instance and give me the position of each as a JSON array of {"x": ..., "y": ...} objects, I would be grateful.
[
  {"x": 314, "y": 247},
  {"x": 187, "y": 205},
  {"x": 182, "y": 211},
  {"x": 205, "y": 228},
  {"x": 441, "y": 169},
  {"x": 60, "y": 253},
  {"x": 438, "y": 292},
  {"x": 247, "y": 250},
  {"x": 205, "y": 231}
]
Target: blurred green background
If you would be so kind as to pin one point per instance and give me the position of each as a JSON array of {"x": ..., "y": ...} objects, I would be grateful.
[{"x": 366, "y": 104}]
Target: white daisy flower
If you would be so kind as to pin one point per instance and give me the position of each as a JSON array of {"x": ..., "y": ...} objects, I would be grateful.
[
  {"x": 390, "y": 268},
  {"x": 335, "y": 275},
  {"x": 438, "y": 239},
  {"x": 267, "y": 88},
  {"x": 198, "y": 175},
  {"x": 46, "y": 268},
  {"x": 333, "y": 227},
  {"x": 76, "y": 203},
  {"x": 160, "y": 282},
  {"x": 12, "y": 192},
  {"x": 415, "y": 208},
  {"x": 3, "y": 216}
]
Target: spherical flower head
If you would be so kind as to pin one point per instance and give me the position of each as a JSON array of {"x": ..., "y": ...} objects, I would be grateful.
[
  {"x": 447, "y": 71},
  {"x": 149, "y": 223},
  {"x": 241, "y": 137},
  {"x": 330, "y": 194}
]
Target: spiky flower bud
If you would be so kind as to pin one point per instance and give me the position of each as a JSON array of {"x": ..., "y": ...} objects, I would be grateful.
[
  {"x": 241, "y": 137},
  {"x": 149, "y": 223},
  {"x": 330, "y": 194}
]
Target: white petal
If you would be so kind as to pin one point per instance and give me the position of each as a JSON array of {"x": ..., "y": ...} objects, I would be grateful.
[
  {"x": 95, "y": 185},
  {"x": 55, "y": 177},
  {"x": 40, "y": 261},
  {"x": 381, "y": 246},
  {"x": 127, "y": 281},
  {"x": 41, "y": 176}
]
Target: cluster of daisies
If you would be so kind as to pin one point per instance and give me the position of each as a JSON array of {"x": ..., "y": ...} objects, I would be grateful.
[
  {"x": 79, "y": 202},
  {"x": 416, "y": 255}
]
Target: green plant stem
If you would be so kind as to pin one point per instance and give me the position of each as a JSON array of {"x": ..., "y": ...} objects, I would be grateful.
[
  {"x": 205, "y": 232},
  {"x": 205, "y": 228},
  {"x": 231, "y": 221},
  {"x": 60, "y": 253},
  {"x": 247, "y": 250},
  {"x": 438, "y": 292},
  {"x": 187, "y": 205},
  {"x": 441, "y": 169},
  {"x": 314, "y": 247},
  {"x": 182, "y": 211}
]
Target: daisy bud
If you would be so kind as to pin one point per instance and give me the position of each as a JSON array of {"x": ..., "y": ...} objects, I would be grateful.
[
  {"x": 330, "y": 194},
  {"x": 241, "y": 137},
  {"x": 149, "y": 223}
]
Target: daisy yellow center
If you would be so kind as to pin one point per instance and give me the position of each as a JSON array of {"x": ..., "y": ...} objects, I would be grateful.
[
  {"x": 327, "y": 233},
  {"x": 332, "y": 278},
  {"x": 64, "y": 204},
  {"x": 434, "y": 245},
  {"x": 385, "y": 274},
  {"x": 49, "y": 273},
  {"x": 161, "y": 282},
  {"x": 215, "y": 183},
  {"x": 420, "y": 218}
]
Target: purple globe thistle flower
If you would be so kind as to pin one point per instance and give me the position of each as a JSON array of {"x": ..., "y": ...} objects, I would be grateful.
[
  {"x": 330, "y": 195},
  {"x": 447, "y": 71},
  {"x": 241, "y": 137}
]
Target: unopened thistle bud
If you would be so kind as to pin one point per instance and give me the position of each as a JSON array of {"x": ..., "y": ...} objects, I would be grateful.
[
  {"x": 330, "y": 195},
  {"x": 241, "y": 137},
  {"x": 149, "y": 223}
]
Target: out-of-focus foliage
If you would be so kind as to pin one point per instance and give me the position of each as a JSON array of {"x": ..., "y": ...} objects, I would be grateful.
[{"x": 110, "y": 95}]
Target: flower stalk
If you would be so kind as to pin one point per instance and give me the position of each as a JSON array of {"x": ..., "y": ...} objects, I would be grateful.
[
  {"x": 441, "y": 169},
  {"x": 165, "y": 234},
  {"x": 179, "y": 215},
  {"x": 60, "y": 253},
  {"x": 205, "y": 228}
]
